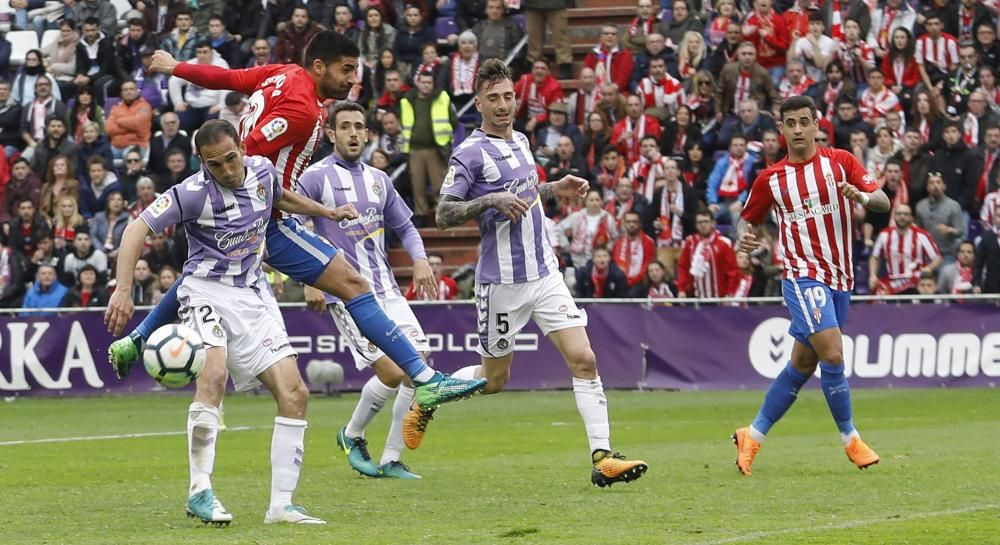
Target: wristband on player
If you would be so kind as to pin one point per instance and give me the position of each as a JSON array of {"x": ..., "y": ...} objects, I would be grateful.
[{"x": 865, "y": 199}]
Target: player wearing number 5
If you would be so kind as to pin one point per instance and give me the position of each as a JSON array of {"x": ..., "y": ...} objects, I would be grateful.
[{"x": 812, "y": 191}]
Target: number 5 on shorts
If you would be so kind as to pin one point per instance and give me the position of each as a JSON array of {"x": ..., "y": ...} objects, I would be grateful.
[{"x": 503, "y": 326}]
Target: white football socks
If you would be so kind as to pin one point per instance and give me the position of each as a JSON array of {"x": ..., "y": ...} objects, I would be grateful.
[
  {"x": 756, "y": 435},
  {"x": 202, "y": 432},
  {"x": 287, "y": 448},
  {"x": 593, "y": 407},
  {"x": 467, "y": 373},
  {"x": 373, "y": 397},
  {"x": 394, "y": 442}
]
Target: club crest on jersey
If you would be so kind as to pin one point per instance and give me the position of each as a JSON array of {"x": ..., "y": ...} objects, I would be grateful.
[
  {"x": 261, "y": 192},
  {"x": 377, "y": 189},
  {"x": 502, "y": 344},
  {"x": 449, "y": 179},
  {"x": 275, "y": 128},
  {"x": 830, "y": 181},
  {"x": 217, "y": 331},
  {"x": 160, "y": 205},
  {"x": 817, "y": 314}
]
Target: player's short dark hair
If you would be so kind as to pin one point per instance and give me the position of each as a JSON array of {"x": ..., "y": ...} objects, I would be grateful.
[
  {"x": 213, "y": 131},
  {"x": 797, "y": 103},
  {"x": 94, "y": 21},
  {"x": 492, "y": 72},
  {"x": 345, "y": 106},
  {"x": 329, "y": 47}
]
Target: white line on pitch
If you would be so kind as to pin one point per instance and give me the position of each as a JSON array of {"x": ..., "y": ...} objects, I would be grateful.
[
  {"x": 753, "y": 536},
  {"x": 109, "y": 437}
]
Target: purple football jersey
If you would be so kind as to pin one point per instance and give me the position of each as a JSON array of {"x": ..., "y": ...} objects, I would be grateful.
[
  {"x": 225, "y": 227},
  {"x": 335, "y": 182},
  {"x": 510, "y": 252}
]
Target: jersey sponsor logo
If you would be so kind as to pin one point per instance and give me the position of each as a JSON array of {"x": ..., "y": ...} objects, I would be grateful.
[
  {"x": 274, "y": 128},
  {"x": 812, "y": 209},
  {"x": 229, "y": 239},
  {"x": 371, "y": 216},
  {"x": 223, "y": 210},
  {"x": 160, "y": 205},
  {"x": 518, "y": 186},
  {"x": 449, "y": 179}
]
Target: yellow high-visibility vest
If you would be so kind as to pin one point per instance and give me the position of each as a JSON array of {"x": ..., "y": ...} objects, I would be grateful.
[{"x": 440, "y": 120}]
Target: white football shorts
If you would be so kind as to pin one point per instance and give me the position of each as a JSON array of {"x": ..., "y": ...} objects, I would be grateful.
[
  {"x": 504, "y": 309},
  {"x": 246, "y": 322},
  {"x": 364, "y": 351}
]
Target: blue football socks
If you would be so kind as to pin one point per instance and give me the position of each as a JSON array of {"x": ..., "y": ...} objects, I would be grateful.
[
  {"x": 838, "y": 397},
  {"x": 165, "y": 312},
  {"x": 780, "y": 396},
  {"x": 385, "y": 334}
]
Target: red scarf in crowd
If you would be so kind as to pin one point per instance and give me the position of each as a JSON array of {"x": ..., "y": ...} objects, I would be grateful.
[
  {"x": 671, "y": 228},
  {"x": 598, "y": 277}
]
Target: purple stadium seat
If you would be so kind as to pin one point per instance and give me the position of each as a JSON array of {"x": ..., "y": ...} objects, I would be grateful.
[
  {"x": 444, "y": 27},
  {"x": 109, "y": 103}
]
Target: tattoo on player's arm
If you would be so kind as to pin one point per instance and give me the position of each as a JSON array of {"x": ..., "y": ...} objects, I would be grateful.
[
  {"x": 452, "y": 211},
  {"x": 879, "y": 201},
  {"x": 546, "y": 191}
]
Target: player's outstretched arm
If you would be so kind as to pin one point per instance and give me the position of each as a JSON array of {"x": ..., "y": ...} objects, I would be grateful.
[
  {"x": 453, "y": 211},
  {"x": 120, "y": 307},
  {"x": 567, "y": 186},
  {"x": 876, "y": 201},
  {"x": 293, "y": 203},
  {"x": 207, "y": 75}
]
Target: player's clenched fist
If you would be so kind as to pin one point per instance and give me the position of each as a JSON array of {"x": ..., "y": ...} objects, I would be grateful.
[
  {"x": 509, "y": 205},
  {"x": 344, "y": 212},
  {"x": 163, "y": 63},
  {"x": 571, "y": 186},
  {"x": 852, "y": 192}
]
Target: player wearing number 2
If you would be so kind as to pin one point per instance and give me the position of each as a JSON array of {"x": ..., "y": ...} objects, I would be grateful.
[
  {"x": 492, "y": 177},
  {"x": 812, "y": 191}
]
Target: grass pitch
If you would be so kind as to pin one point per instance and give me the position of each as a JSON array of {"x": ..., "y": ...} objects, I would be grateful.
[{"x": 514, "y": 469}]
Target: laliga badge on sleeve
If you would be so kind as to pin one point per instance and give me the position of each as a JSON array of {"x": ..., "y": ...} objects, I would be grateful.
[
  {"x": 449, "y": 179},
  {"x": 160, "y": 205},
  {"x": 274, "y": 128}
]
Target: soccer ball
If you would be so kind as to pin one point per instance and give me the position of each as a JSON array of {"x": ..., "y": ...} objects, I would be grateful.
[{"x": 174, "y": 355}]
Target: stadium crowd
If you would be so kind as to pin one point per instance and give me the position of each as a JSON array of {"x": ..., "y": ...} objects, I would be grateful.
[{"x": 670, "y": 118}]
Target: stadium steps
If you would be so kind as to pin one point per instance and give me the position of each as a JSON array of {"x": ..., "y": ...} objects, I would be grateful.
[
  {"x": 458, "y": 246},
  {"x": 584, "y": 24}
]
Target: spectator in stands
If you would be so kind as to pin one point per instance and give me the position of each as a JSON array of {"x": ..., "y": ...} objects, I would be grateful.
[
  {"x": 848, "y": 122},
  {"x": 928, "y": 116},
  {"x": 745, "y": 79},
  {"x": 26, "y": 82},
  {"x": 94, "y": 144},
  {"x": 459, "y": 71},
  {"x": 727, "y": 52},
  {"x": 609, "y": 61},
  {"x": 429, "y": 62},
  {"x": 986, "y": 269},
  {"x": 989, "y": 150},
  {"x": 587, "y": 229},
  {"x": 23, "y": 184},
  {"x": 540, "y": 14},
  {"x": 629, "y": 131},
  {"x": 46, "y": 292},
  {"x": 152, "y": 85},
  {"x": 56, "y": 142},
  {"x": 655, "y": 284},
  {"x": 376, "y": 37},
  {"x": 878, "y": 100},
  {"x": 497, "y": 34},
  {"x": 84, "y": 110},
  {"x": 566, "y": 160},
  {"x": 35, "y": 115},
  {"x": 770, "y": 154},
  {"x": 22, "y": 20},
  {"x": 729, "y": 182},
  {"x": 68, "y": 222},
  {"x": 962, "y": 166},
  {"x": 936, "y": 52},
  {"x": 293, "y": 38},
  {"x": 906, "y": 250},
  {"x": 343, "y": 22},
  {"x": 390, "y": 140},
  {"x": 750, "y": 123},
  {"x": 814, "y": 49},
  {"x": 411, "y": 37},
  {"x": 535, "y": 91},
  {"x": 634, "y": 251},
  {"x": 681, "y": 22},
  {"x": 128, "y": 51},
  {"x": 23, "y": 232},
  {"x": 131, "y": 174},
  {"x": 660, "y": 93},
  {"x": 102, "y": 10},
  {"x": 692, "y": 55},
  {"x": 612, "y": 103},
  {"x": 899, "y": 65},
  {"x": 13, "y": 266},
  {"x": 109, "y": 226},
  {"x": 978, "y": 117},
  {"x": 655, "y": 48},
  {"x": 466, "y": 12},
  {"x": 600, "y": 278},
  {"x": 625, "y": 200},
  {"x": 82, "y": 253},
  {"x": 10, "y": 120},
  {"x": 60, "y": 182},
  {"x": 193, "y": 104},
  {"x": 237, "y": 106},
  {"x": 183, "y": 39},
  {"x": 60, "y": 57},
  {"x": 160, "y": 254},
  {"x": 942, "y": 217},
  {"x": 262, "y": 55},
  {"x": 142, "y": 290},
  {"x": 595, "y": 138},
  {"x": 164, "y": 280},
  {"x": 94, "y": 194},
  {"x": 857, "y": 56},
  {"x": 956, "y": 277},
  {"x": 766, "y": 30},
  {"x": 428, "y": 120},
  {"x": 645, "y": 23},
  {"x": 177, "y": 170},
  {"x": 556, "y": 125},
  {"x": 146, "y": 193},
  {"x": 707, "y": 264},
  {"x": 130, "y": 121},
  {"x": 915, "y": 161},
  {"x": 670, "y": 216},
  {"x": 45, "y": 254},
  {"x": 224, "y": 44},
  {"x": 169, "y": 138},
  {"x": 885, "y": 147},
  {"x": 86, "y": 292},
  {"x": 695, "y": 166},
  {"x": 647, "y": 173},
  {"x": 717, "y": 28},
  {"x": 584, "y": 100},
  {"x": 447, "y": 288},
  {"x": 987, "y": 45},
  {"x": 702, "y": 101},
  {"x": 884, "y": 22},
  {"x": 606, "y": 174},
  {"x": 795, "y": 82},
  {"x": 797, "y": 18},
  {"x": 159, "y": 15},
  {"x": 386, "y": 63}
]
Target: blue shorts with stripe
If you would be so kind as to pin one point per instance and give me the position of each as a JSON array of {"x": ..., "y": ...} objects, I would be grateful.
[
  {"x": 814, "y": 307},
  {"x": 297, "y": 251}
]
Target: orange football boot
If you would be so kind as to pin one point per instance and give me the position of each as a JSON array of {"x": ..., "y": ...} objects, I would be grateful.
[{"x": 746, "y": 450}]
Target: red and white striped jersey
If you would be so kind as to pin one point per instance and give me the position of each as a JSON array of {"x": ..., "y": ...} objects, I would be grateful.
[
  {"x": 990, "y": 203},
  {"x": 814, "y": 218},
  {"x": 874, "y": 105},
  {"x": 665, "y": 93},
  {"x": 942, "y": 52},
  {"x": 905, "y": 251}
]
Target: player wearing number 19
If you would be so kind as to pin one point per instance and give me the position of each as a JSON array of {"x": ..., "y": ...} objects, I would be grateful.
[
  {"x": 813, "y": 191},
  {"x": 492, "y": 178}
]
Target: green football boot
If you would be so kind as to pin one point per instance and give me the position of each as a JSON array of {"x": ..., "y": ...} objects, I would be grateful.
[
  {"x": 124, "y": 352},
  {"x": 444, "y": 388},
  {"x": 356, "y": 449},
  {"x": 398, "y": 470},
  {"x": 206, "y": 507}
]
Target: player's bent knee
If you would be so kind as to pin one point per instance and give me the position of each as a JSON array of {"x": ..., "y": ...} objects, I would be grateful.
[
  {"x": 342, "y": 280},
  {"x": 832, "y": 357},
  {"x": 583, "y": 363},
  {"x": 294, "y": 400}
]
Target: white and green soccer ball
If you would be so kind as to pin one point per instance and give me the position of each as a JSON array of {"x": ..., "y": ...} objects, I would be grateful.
[{"x": 174, "y": 355}]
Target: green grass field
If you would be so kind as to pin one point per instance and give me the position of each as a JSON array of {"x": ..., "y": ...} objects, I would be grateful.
[{"x": 514, "y": 469}]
